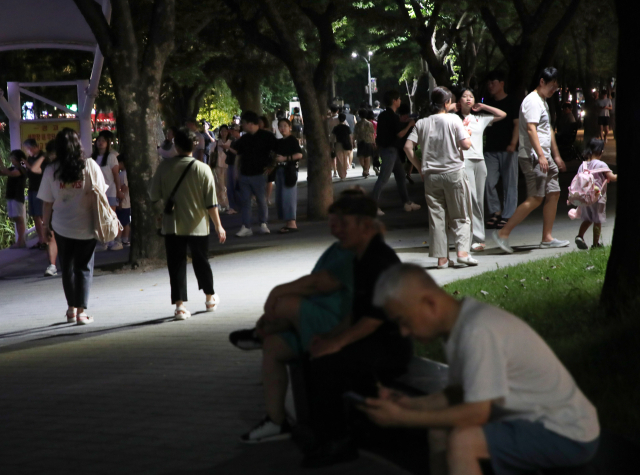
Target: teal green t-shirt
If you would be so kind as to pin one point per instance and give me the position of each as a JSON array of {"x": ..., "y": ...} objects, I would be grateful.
[{"x": 339, "y": 263}]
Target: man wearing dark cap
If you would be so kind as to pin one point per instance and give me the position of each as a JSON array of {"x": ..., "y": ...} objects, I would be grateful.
[{"x": 365, "y": 349}]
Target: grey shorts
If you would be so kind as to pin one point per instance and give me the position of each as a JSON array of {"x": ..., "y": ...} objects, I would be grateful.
[
  {"x": 521, "y": 447},
  {"x": 15, "y": 209},
  {"x": 539, "y": 184}
]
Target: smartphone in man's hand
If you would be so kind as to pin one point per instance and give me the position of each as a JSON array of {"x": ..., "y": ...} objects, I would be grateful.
[{"x": 354, "y": 398}]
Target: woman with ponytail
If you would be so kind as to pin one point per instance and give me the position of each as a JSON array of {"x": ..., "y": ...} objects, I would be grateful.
[{"x": 442, "y": 138}]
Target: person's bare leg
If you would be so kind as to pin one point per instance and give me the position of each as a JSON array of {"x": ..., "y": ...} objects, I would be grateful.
[
  {"x": 520, "y": 214},
  {"x": 597, "y": 230},
  {"x": 285, "y": 317},
  {"x": 549, "y": 215},
  {"x": 583, "y": 228},
  {"x": 438, "y": 451},
  {"x": 367, "y": 164},
  {"x": 21, "y": 233},
  {"x": 467, "y": 446},
  {"x": 37, "y": 220},
  {"x": 275, "y": 355},
  {"x": 52, "y": 250},
  {"x": 268, "y": 191},
  {"x": 605, "y": 132}
]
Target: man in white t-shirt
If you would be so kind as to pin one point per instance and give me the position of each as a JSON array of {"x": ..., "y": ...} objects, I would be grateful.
[
  {"x": 604, "y": 106},
  {"x": 198, "y": 151},
  {"x": 540, "y": 163},
  {"x": 509, "y": 399},
  {"x": 274, "y": 124}
]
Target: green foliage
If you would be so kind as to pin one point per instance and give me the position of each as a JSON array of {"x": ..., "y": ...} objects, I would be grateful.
[
  {"x": 6, "y": 226},
  {"x": 277, "y": 90},
  {"x": 219, "y": 105},
  {"x": 559, "y": 298}
]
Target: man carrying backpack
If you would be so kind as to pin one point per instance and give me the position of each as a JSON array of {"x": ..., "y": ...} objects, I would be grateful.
[{"x": 540, "y": 163}]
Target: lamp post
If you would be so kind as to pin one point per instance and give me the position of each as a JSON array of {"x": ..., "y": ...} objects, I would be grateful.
[{"x": 355, "y": 55}]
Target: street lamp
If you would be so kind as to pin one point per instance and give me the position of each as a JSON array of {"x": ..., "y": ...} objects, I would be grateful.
[{"x": 355, "y": 55}]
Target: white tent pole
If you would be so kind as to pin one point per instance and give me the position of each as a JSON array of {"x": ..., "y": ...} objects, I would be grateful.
[
  {"x": 45, "y": 100},
  {"x": 13, "y": 93},
  {"x": 85, "y": 104}
]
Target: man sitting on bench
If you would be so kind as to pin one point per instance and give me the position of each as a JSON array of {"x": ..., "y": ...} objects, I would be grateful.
[
  {"x": 509, "y": 398},
  {"x": 294, "y": 313}
]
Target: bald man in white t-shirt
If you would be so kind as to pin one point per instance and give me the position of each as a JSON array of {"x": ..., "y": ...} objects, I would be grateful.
[{"x": 509, "y": 399}]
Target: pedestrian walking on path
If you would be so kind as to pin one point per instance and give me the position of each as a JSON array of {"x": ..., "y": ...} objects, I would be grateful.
[
  {"x": 288, "y": 155},
  {"x": 595, "y": 213},
  {"x": 14, "y": 194},
  {"x": 540, "y": 163},
  {"x": 389, "y": 131},
  {"x": 66, "y": 190},
  {"x": 107, "y": 160},
  {"x": 476, "y": 117},
  {"x": 186, "y": 187},
  {"x": 501, "y": 153},
  {"x": 442, "y": 138},
  {"x": 342, "y": 140},
  {"x": 35, "y": 163},
  {"x": 364, "y": 135}
]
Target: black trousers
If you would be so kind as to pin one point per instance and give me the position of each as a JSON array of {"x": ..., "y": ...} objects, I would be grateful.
[
  {"x": 76, "y": 259},
  {"x": 357, "y": 367},
  {"x": 176, "y": 247}
]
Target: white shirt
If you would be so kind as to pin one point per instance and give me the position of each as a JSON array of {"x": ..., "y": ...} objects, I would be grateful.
[
  {"x": 107, "y": 172},
  {"x": 477, "y": 124},
  {"x": 604, "y": 103},
  {"x": 534, "y": 110},
  {"x": 126, "y": 201},
  {"x": 274, "y": 126},
  {"x": 496, "y": 356},
  {"x": 72, "y": 202},
  {"x": 438, "y": 136}
]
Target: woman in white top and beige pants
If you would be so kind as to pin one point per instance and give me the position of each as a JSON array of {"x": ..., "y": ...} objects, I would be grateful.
[{"x": 442, "y": 138}]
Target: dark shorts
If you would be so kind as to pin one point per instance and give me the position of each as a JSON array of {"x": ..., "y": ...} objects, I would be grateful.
[
  {"x": 365, "y": 149},
  {"x": 520, "y": 447},
  {"x": 35, "y": 204},
  {"x": 124, "y": 216},
  {"x": 603, "y": 120}
]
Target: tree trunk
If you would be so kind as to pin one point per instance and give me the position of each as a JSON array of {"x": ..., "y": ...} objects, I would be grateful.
[
  {"x": 246, "y": 90},
  {"x": 621, "y": 290}
]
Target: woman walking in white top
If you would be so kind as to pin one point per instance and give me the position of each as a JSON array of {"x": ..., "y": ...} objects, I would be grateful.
[
  {"x": 67, "y": 190},
  {"x": 475, "y": 122},
  {"x": 442, "y": 137}
]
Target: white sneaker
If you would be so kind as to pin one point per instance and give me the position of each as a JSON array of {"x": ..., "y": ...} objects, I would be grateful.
[
  {"x": 116, "y": 246},
  {"x": 502, "y": 243},
  {"x": 51, "y": 270},
  {"x": 244, "y": 232},
  {"x": 100, "y": 247},
  {"x": 555, "y": 243},
  {"x": 411, "y": 206},
  {"x": 380, "y": 212},
  {"x": 468, "y": 260},
  {"x": 267, "y": 431},
  {"x": 212, "y": 305},
  {"x": 264, "y": 229}
]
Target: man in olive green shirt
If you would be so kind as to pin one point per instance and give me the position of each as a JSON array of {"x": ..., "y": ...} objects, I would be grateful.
[{"x": 188, "y": 225}]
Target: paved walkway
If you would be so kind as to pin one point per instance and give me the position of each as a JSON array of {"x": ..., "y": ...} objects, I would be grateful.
[{"x": 137, "y": 392}]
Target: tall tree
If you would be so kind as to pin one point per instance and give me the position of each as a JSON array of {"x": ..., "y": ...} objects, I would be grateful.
[
  {"x": 136, "y": 53},
  {"x": 300, "y": 34},
  {"x": 621, "y": 290},
  {"x": 520, "y": 52}
]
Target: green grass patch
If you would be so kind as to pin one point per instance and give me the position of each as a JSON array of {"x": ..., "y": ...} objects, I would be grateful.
[{"x": 559, "y": 298}]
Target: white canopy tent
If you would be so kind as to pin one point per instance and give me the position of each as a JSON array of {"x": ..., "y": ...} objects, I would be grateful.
[{"x": 53, "y": 24}]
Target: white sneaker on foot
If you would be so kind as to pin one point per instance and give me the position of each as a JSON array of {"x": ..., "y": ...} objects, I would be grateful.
[
  {"x": 380, "y": 212},
  {"x": 468, "y": 260},
  {"x": 116, "y": 246},
  {"x": 411, "y": 206},
  {"x": 264, "y": 229},
  {"x": 553, "y": 244},
  {"x": 51, "y": 270},
  {"x": 502, "y": 243},
  {"x": 267, "y": 431},
  {"x": 244, "y": 232}
]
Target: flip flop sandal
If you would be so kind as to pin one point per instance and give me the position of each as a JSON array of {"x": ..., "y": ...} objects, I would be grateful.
[
  {"x": 492, "y": 222},
  {"x": 287, "y": 230}
]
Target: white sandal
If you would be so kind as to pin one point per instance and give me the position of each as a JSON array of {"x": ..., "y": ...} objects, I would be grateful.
[
  {"x": 181, "y": 313},
  {"x": 71, "y": 317},
  {"x": 84, "y": 319},
  {"x": 449, "y": 263},
  {"x": 212, "y": 305},
  {"x": 478, "y": 247}
]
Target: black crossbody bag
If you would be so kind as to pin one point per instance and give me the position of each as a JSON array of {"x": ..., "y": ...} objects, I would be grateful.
[{"x": 170, "y": 204}]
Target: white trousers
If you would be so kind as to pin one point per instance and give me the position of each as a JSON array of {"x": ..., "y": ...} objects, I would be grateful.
[{"x": 477, "y": 174}]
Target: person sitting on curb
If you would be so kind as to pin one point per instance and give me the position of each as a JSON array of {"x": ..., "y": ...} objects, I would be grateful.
[
  {"x": 509, "y": 399},
  {"x": 294, "y": 314},
  {"x": 540, "y": 162},
  {"x": 186, "y": 223}
]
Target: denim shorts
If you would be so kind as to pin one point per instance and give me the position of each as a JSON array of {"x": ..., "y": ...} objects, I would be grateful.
[
  {"x": 113, "y": 201},
  {"x": 520, "y": 447},
  {"x": 35, "y": 204}
]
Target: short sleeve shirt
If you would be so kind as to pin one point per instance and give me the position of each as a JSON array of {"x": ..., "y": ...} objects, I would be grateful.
[
  {"x": 604, "y": 103},
  {"x": 388, "y": 127},
  {"x": 288, "y": 146},
  {"x": 195, "y": 195},
  {"x": 72, "y": 202},
  {"x": 35, "y": 178},
  {"x": 255, "y": 152},
  {"x": 339, "y": 263},
  {"x": 477, "y": 124},
  {"x": 497, "y": 357},
  {"x": 16, "y": 186},
  {"x": 364, "y": 132},
  {"x": 438, "y": 136},
  {"x": 534, "y": 110},
  {"x": 106, "y": 166},
  {"x": 342, "y": 133},
  {"x": 600, "y": 179},
  {"x": 500, "y": 134}
]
